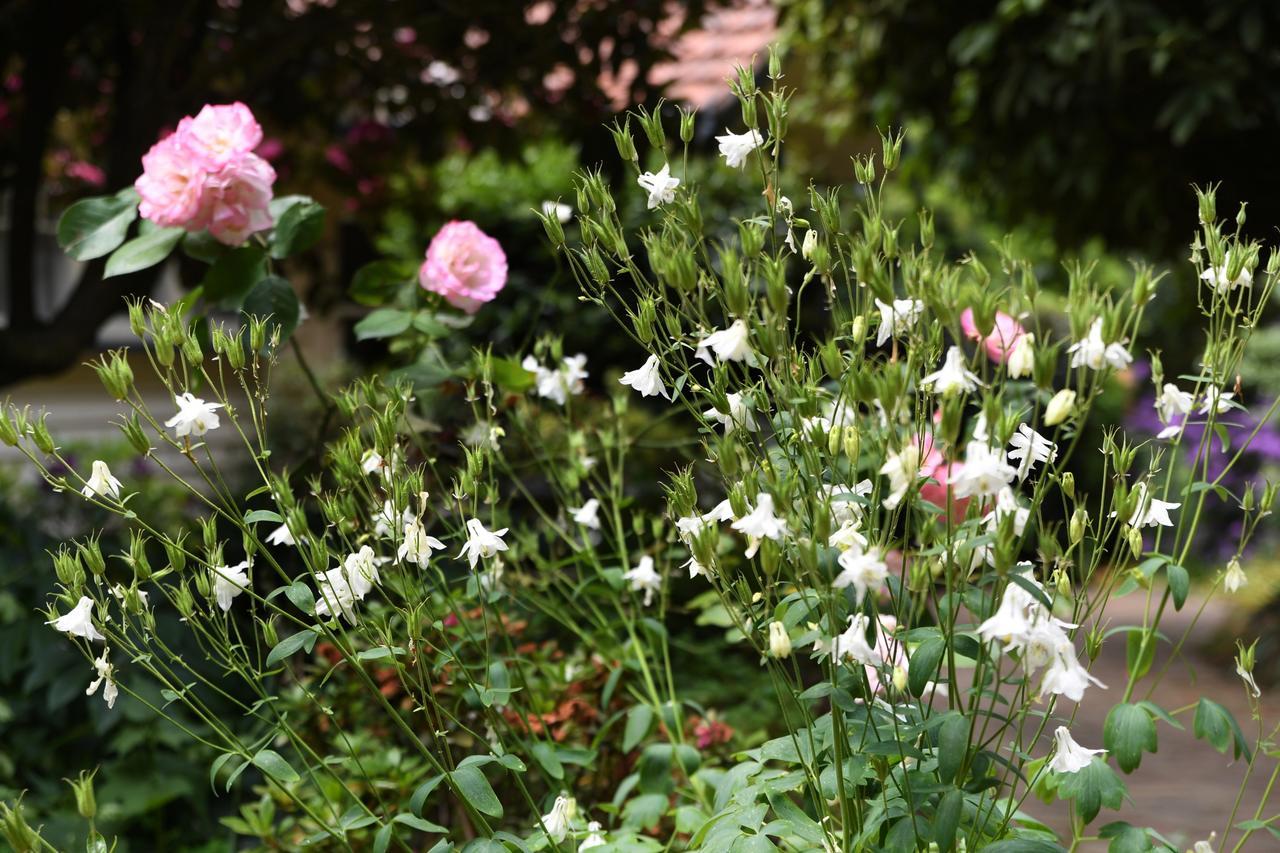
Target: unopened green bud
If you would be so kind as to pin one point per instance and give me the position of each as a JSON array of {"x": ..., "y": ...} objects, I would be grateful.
[
  {"x": 91, "y": 554},
  {"x": 625, "y": 143},
  {"x": 1061, "y": 407},
  {"x": 1268, "y": 498},
  {"x": 132, "y": 429},
  {"x": 41, "y": 436},
  {"x": 686, "y": 125},
  {"x": 1079, "y": 524},
  {"x": 86, "y": 803},
  {"x": 1068, "y": 482},
  {"x": 851, "y": 442},
  {"x": 832, "y": 359},
  {"x": 859, "y": 331},
  {"x": 8, "y": 431},
  {"x": 1135, "y": 541}
]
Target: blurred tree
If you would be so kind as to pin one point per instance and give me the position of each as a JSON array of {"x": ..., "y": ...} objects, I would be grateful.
[
  {"x": 1099, "y": 114},
  {"x": 89, "y": 86}
]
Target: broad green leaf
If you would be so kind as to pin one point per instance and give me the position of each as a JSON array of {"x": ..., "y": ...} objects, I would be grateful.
[
  {"x": 301, "y": 596},
  {"x": 1024, "y": 845},
  {"x": 142, "y": 252},
  {"x": 1091, "y": 788},
  {"x": 476, "y": 790},
  {"x": 1128, "y": 732},
  {"x": 298, "y": 228},
  {"x": 1216, "y": 725},
  {"x": 376, "y": 283},
  {"x": 288, "y": 646},
  {"x": 923, "y": 664},
  {"x": 946, "y": 819},
  {"x": 1138, "y": 659},
  {"x": 655, "y": 768},
  {"x": 953, "y": 745},
  {"x": 1125, "y": 838},
  {"x": 274, "y": 765},
  {"x": 263, "y": 515},
  {"x": 383, "y": 323},
  {"x": 234, "y": 274},
  {"x": 545, "y": 754},
  {"x": 1179, "y": 584},
  {"x": 424, "y": 790},
  {"x": 274, "y": 297},
  {"x": 94, "y": 227},
  {"x": 639, "y": 720}
]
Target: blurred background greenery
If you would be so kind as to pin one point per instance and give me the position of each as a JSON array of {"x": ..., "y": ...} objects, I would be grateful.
[{"x": 1076, "y": 127}]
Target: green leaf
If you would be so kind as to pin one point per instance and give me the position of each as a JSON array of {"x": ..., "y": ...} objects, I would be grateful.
[
  {"x": 476, "y": 790},
  {"x": 142, "y": 252},
  {"x": 263, "y": 515},
  {"x": 639, "y": 719},
  {"x": 1023, "y": 845},
  {"x": 655, "y": 768},
  {"x": 94, "y": 227},
  {"x": 510, "y": 376},
  {"x": 1179, "y": 584},
  {"x": 1091, "y": 788},
  {"x": 298, "y": 228},
  {"x": 382, "y": 840},
  {"x": 1216, "y": 725},
  {"x": 274, "y": 297},
  {"x": 1128, "y": 732},
  {"x": 424, "y": 790},
  {"x": 923, "y": 664},
  {"x": 420, "y": 824},
  {"x": 1125, "y": 838},
  {"x": 376, "y": 283},
  {"x": 274, "y": 765},
  {"x": 289, "y": 645},
  {"x": 953, "y": 745},
  {"x": 301, "y": 596},
  {"x": 947, "y": 819},
  {"x": 383, "y": 323},
  {"x": 234, "y": 274},
  {"x": 645, "y": 810},
  {"x": 1134, "y": 648},
  {"x": 216, "y": 768},
  {"x": 545, "y": 754}
]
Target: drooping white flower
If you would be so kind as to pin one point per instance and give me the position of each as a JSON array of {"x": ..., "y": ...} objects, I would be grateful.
[
  {"x": 1173, "y": 402},
  {"x": 1014, "y": 619},
  {"x": 556, "y": 385},
  {"x": 594, "y": 837},
  {"x": 1094, "y": 352},
  {"x": 1150, "y": 511},
  {"x": 194, "y": 417},
  {"x": 646, "y": 379},
  {"x": 1022, "y": 358},
  {"x": 736, "y": 147},
  {"x": 561, "y": 211},
  {"x": 660, "y": 186},
  {"x": 417, "y": 545},
  {"x": 1060, "y": 407},
  {"x": 985, "y": 471},
  {"x": 481, "y": 542},
  {"x": 644, "y": 577},
  {"x": 483, "y": 434},
  {"x": 556, "y": 822},
  {"x": 1216, "y": 401},
  {"x": 1030, "y": 447},
  {"x": 738, "y": 417},
  {"x": 335, "y": 594},
  {"x": 101, "y": 482},
  {"x": 902, "y": 469},
  {"x": 228, "y": 582},
  {"x": 953, "y": 377},
  {"x": 1234, "y": 577},
  {"x": 78, "y": 622},
  {"x": 729, "y": 344},
  {"x": 847, "y": 537},
  {"x": 1007, "y": 505},
  {"x": 1064, "y": 675},
  {"x": 1069, "y": 756},
  {"x": 281, "y": 536},
  {"x": 761, "y": 523},
  {"x": 1219, "y": 278},
  {"x": 371, "y": 461},
  {"x": 1206, "y": 845},
  {"x": 588, "y": 515},
  {"x": 106, "y": 678},
  {"x": 865, "y": 571},
  {"x": 851, "y": 645},
  {"x": 843, "y": 510},
  {"x": 362, "y": 571},
  {"x": 385, "y": 523},
  {"x": 696, "y": 569},
  {"x": 897, "y": 318},
  {"x": 779, "y": 640}
]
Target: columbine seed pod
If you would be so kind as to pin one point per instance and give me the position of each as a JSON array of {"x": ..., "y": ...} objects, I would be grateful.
[
  {"x": 41, "y": 436},
  {"x": 91, "y": 555},
  {"x": 625, "y": 143},
  {"x": 86, "y": 803},
  {"x": 8, "y": 432},
  {"x": 138, "y": 557}
]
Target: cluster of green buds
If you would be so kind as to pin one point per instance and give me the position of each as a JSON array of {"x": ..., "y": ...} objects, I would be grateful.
[{"x": 115, "y": 373}]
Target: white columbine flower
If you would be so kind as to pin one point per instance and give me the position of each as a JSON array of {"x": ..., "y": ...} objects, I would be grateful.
[
  {"x": 559, "y": 210},
  {"x": 481, "y": 542},
  {"x": 1216, "y": 400},
  {"x": 1060, "y": 407},
  {"x": 735, "y": 147},
  {"x": 1093, "y": 352},
  {"x": 385, "y": 522},
  {"x": 588, "y": 515},
  {"x": 729, "y": 344},
  {"x": 897, "y": 318},
  {"x": 1069, "y": 756},
  {"x": 661, "y": 187},
  {"x": 556, "y": 822},
  {"x": 864, "y": 571},
  {"x": 1064, "y": 675},
  {"x": 78, "y": 622},
  {"x": 1150, "y": 511},
  {"x": 646, "y": 379},
  {"x": 739, "y": 416},
  {"x": 417, "y": 545},
  {"x": 281, "y": 536},
  {"x": 557, "y": 385},
  {"x": 852, "y": 644},
  {"x": 1006, "y": 505},
  {"x": 362, "y": 571},
  {"x": 594, "y": 837},
  {"x": 779, "y": 640},
  {"x": 902, "y": 469},
  {"x": 847, "y": 537},
  {"x": 761, "y": 523},
  {"x": 228, "y": 582},
  {"x": 106, "y": 676},
  {"x": 101, "y": 482},
  {"x": 194, "y": 417},
  {"x": 952, "y": 377},
  {"x": 336, "y": 596},
  {"x": 985, "y": 472},
  {"x": 1234, "y": 578},
  {"x": 644, "y": 578},
  {"x": 1219, "y": 277},
  {"x": 1172, "y": 403},
  {"x": 1022, "y": 358},
  {"x": 1030, "y": 447}
]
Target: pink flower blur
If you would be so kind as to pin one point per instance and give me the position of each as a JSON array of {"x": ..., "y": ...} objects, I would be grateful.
[
  {"x": 939, "y": 475},
  {"x": 205, "y": 175},
  {"x": 464, "y": 265},
  {"x": 1004, "y": 334}
]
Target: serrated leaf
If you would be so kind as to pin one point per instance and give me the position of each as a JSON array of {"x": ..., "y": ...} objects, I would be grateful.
[
  {"x": 142, "y": 252},
  {"x": 1128, "y": 732},
  {"x": 94, "y": 227},
  {"x": 1091, "y": 788}
]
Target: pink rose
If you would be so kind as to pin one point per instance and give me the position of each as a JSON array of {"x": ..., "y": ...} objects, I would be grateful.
[
  {"x": 219, "y": 135},
  {"x": 939, "y": 475},
  {"x": 205, "y": 175},
  {"x": 464, "y": 265},
  {"x": 171, "y": 186},
  {"x": 1004, "y": 334}
]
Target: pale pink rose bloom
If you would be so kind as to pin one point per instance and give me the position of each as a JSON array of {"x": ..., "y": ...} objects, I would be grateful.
[
  {"x": 219, "y": 134},
  {"x": 240, "y": 193},
  {"x": 939, "y": 475},
  {"x": 172, "y": 187},
  {"x": 464, "y": 265},
  {"x": 1005, "y": 333}
]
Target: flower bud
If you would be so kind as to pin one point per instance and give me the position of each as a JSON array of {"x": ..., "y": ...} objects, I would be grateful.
[
  {"x": 1079, "y": 523},
  {"x": 858, "y": 331},
  {"x": 8, "y": 431},
  {"x": 1061, "y": 407},
  {"x": 779, "y": 640},
  {"x": 41, "y": 436},
  {"x": 1134, "y": 536},
  {"x": 91, "y": 555},
  {"x": 851, "y": 443},
  {"x": 1068, "y": 483},
  {"x": 86, "y": 803},
  {"x": 16, "y": 830},
  {"x": 132, "y": 429},
  {"x": 1234, "y": 577},
  {"x": 686, "y": 125}
]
